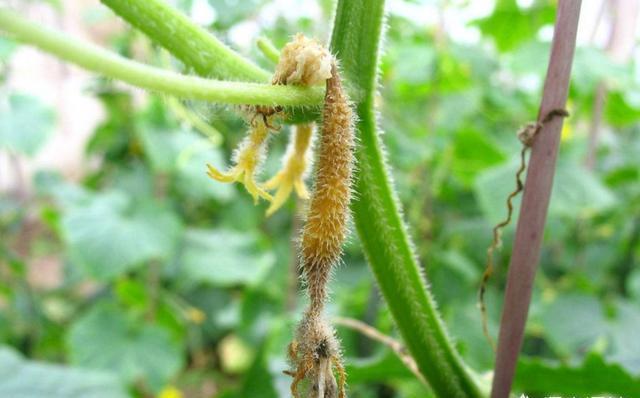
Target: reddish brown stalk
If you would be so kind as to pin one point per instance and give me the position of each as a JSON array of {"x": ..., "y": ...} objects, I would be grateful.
[
  {"x": 535, "y": 201},
  {"x": 527, "y": 136}
]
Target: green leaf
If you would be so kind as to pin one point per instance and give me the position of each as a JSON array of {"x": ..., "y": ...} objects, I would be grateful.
[
  {"x": 20, "y": 378},
  {"x": 412, "y": 63},
  {"x": 454, "y": 71},
  {"x": 222, "y": 311},
  {"x": 576, "y": 191},
  {"x": 161, "y": 146},
  {"x": 619, "y": 111},
  {"x": 530, "y": 58},
  {"x": 184, "y": 154},
  {"x": 258, "y": 381},
  {"x": 592, "y": 65},
  {"x": 386, "y": 366},
  {"x": 25, "y": 124},
  {"x": 623, "y": 175},
  {"x": 133, "y": 293},
  {"x": 492, "y": 187},
  {"x": 623, "y": 331},
  {"x": 112, "y": 137},
  {"x": 106, "y": 339},
  {"x": 573, "y": 322},
  {"x": 455, "y": 108},
  {"x": 464, "y": 321},
  {"x": 222, "y": 258},
  {"x": 65, "y": 193},
  {"x": 473, "y": 152},
  {"x": 509, "y": 25},
  {"x": 228, "y": 13},
  {"x": 7, "y": 47},
  {"x": 111, "y": 234},
  {"x": 592, "y": 378}
]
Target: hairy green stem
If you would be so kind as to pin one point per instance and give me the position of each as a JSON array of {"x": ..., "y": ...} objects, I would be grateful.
[
  {"x": 188, "y": 42},
  {"x": 99, "y": 60},
  {"x": 356, "y": 36},
  {"x": 195, "y": 47}
]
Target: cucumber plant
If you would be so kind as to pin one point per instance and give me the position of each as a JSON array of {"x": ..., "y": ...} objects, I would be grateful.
[{"x": 226, "y": 77}]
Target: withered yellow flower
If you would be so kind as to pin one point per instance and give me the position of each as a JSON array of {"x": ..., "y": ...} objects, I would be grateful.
[
  {"x": 292, "y": 174},
  {"x": 247, "y": 158},
  {"x": 304, "y": 62}
]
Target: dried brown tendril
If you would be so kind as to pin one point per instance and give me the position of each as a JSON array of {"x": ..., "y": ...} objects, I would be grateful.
[{"x": 527, "y": 136}]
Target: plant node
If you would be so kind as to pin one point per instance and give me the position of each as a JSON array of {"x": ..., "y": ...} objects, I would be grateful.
[{"x": 302, "y": 62}]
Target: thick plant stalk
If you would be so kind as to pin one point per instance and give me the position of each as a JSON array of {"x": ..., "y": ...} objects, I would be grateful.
[
  {"x": 188, "y": 42},
  {"x": 196, "y": 48},
  {"x": 535, "y": 200},
  {"x": 356, "y": 39}
]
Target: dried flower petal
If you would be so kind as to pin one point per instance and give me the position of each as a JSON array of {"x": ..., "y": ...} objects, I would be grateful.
[
  {"x": 291, "y": 176},
  {"x": 248, "y": 157},
  {"x": 303, "y": 61}
]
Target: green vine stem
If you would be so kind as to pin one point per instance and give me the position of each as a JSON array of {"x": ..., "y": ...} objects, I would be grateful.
[
  {"x": 356, "y": 36},
  {"x": 195, "y": 47},
  {"x": 188, "y": 42},
  {"x": 99, "y": 60}
]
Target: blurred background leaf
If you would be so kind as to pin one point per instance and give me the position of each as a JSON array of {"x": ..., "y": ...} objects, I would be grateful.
[
  {"x": 30, "y": 379},
  {"x": 135, "y": 351},
  {"x": 25, "y": 123}
]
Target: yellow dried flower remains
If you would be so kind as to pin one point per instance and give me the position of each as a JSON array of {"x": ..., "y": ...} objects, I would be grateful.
[
  {"x": 247, "y": 159},
  {"x": 291, "y": 176},
  {"x": 305, "y": 62},
  {"x": 314, "y": 354}
]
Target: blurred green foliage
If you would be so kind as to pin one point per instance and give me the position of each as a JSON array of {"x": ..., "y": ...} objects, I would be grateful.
[{"x": 174, "y": 284}]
